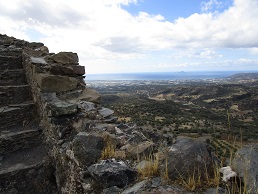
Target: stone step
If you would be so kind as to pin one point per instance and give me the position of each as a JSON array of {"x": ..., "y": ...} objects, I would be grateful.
[
  {"x": 22, "y": 139},
  {"x": 10, "y": 62},
  {"x": 27, "y": 171},
  {"x": 17, "y": 115},
  {"x": 10, "y": 51},
  {"x": 14, "y": 94},
  {"x": 13, "y": 77}
]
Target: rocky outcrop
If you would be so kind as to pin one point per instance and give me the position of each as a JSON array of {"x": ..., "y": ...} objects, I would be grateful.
[
  {"x": 87, "y": 148},
  {"x": 112, "y": 173},
  {"x": 189, "y": 157}
]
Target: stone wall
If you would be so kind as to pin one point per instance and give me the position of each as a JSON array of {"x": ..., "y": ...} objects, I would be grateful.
[
  {"x": 25, "y": 166},
  {"x": 69, "y": 114},
  {"x": 59, "y": 90}
]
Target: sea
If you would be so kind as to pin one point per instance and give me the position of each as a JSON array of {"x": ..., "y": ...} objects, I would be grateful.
[{"x": 182, "y": 75}]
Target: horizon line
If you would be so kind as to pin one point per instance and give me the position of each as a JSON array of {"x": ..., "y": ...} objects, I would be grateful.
[{"x": 248, "y": 71}]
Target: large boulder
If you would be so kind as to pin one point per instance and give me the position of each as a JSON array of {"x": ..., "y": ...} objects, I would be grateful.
[
  {"x": 245, "y": 164},
  {"x": 188, "y": 157},
  {"x": 110, "y": 173},
  {"x": 56, "y": 83},
  {"x": 66, "y": 58},
  {"x": 86, "y": 148}
]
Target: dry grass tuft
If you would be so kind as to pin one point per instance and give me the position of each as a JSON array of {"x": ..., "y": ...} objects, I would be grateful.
[
  {"x": 151, "y": 168},
  {"x": 108, "y": 152},
  {"x": 191, "y": 182}
]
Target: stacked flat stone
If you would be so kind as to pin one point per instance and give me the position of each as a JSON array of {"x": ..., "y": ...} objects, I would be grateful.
[{"x": 24, "y": 164}]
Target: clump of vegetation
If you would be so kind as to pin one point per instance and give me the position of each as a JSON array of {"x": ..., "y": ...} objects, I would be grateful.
[
  {"x": 109, "y": 151},
  {"x": 151, "y": 167},
  {"x": 196, "y": 182},
  {"x": 191, "y": 182}
]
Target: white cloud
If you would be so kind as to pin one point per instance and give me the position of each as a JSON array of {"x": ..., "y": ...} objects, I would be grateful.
[
  {"x": 254, "y": 51},
  {"x": 205, "y": 53},
  {"x": 210, "y": 54},
  {"x": 210, "y": 5},
  {"x": 101, "y": 30},
  {"x": 235, "y": 65}
]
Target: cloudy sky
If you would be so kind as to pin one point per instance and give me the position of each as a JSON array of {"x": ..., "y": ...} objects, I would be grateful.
[{"x": 112, "y": 36}]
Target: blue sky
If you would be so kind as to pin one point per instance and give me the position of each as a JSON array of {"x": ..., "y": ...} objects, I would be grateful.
[
  {"x": 172, "y": 9},
  {"x": 114, "y": 36}
]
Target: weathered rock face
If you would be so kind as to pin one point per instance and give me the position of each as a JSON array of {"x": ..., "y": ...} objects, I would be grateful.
[
  {"x": 87, "y": 148},
  {"x": 37, "y": 178},
  {"x": 14, "y": 94},
  {"x": 187, "y": 157},
  {"x": 14, "y": 141},
  {"x": 56, "y": 107},
  {"x": 13, "y": 77},
  {"x": 55, "y": 83},
  {"x": 87, "y": 94},
  {"x": 112, "y": 173},
  {"x": 66, "y": 58},
  {"x": 245, "y": 164}
]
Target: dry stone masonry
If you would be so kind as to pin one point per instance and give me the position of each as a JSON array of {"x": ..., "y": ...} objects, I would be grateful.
[
  {"x": 40, "y": 95},
  {"x": 25, "y": 166}
]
